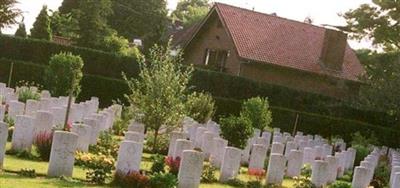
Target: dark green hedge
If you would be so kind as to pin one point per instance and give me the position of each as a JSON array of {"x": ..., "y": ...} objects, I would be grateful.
[
  {"x": 39, "y": 52},
  {"x": 311, "y": 123},
  {"x": 218, "y": 84}
]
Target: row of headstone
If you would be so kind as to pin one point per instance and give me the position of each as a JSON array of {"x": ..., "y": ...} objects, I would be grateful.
[
  {"x": 394, "y": 159},
  {"x": 364, "y": 173}
]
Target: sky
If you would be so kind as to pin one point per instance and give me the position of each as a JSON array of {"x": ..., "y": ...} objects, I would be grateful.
[{"x": 321, "y": 11}]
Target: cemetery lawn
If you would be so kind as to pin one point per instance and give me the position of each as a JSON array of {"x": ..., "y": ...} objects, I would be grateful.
[{"x": 9, "y": 178}]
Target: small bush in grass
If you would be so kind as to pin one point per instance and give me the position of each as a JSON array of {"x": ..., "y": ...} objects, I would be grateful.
[
  {"x": 131, "y": 179},
  {"x": 163, "y": 180},
  {"x": 161, "y": 145},
  {"x": 27, "y": 90},
  {"x": 237, "y": 130},
  {"x": 27, "y": 172},
  {"x": 158, "y": 164},
  {"x": 200, "y": 107},
  {"x": 361, "y": 153},
  {"x": 236, "y": 183},
  {"x": 43, "y": 142},
  {"x": 340, "y": 184},
  {"x": 121, "y": 124},
  {"x": 106, "y": 145},
  {"x": 99, "y": 167},
  {"x": 173, "y": 164},
  {"x": 257, "y": 111},
  {"x": 208, "y": 174},
  {"x": 303, "y": 182},
  {"x": 306, "y": 171}
]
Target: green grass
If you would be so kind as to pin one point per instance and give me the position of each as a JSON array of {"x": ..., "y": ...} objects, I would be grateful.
[{"x": 9, "y": 178}]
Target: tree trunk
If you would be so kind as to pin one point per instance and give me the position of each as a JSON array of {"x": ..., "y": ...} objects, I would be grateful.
[{"x": 155, "y": 141}]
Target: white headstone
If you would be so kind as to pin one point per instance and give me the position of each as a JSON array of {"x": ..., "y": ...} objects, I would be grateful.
[
  {"x": 276, "y": 169},
  {"x": 206, "y": 145},
  {"x": 172, "y": 141},
  {"x": 218, "y": 150},
  {"x": 289, "y": 147},
  {"x": 134, "y": 136},
  {"x": 396, "y": 180},
  {"x": 44, "y": 122},
  {"x": 62, "y": 156},
  {"x": 360, "y": 178},
  {"x": 15, "y": 108},
  {"x": 257, "y": 157},
  {"x": 319, "y": 173},
  {"x": 136, "y": 127},
  {"x": 84, "y": 133},
  {"x": 190, "y": 169},
  {"x": 199, "y": 136},
  {"x": 31, "y": 107},
  {"x": 23, "y": 133},
  {"x": 3, "y": 141},
  {"x": 295, "y": 159},
  {"x": 277, "y": 148},
  {"x": 95, "y": 129},
  {"x": 129, "y": 157},
  {"x": 332, "y": 168},
  {"x": 230, "y": 164},
  {"x": 2, "y": 112},
  {"x": 180, "y": 146},
  {"x": 309, "y": 155}
]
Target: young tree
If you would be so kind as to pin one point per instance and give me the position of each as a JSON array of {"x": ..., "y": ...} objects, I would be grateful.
[
  {"x": 64, "y": 74},
  {"x": 378, "y": 22},
  {"x": 41, "y": 28},
  {"x": 64, "y": 25},
  {"x": 8, "y": 13},
  {"x": 120, "y": 45},
  {"x": 257, "y": 111},
  {"x": 144, "y": 19},
  {"x": 93, "y": 22},
  {"x": 191, "y": 11},
  {"x": 200, "y": 107},
  {"x": 21, "y": 31},
  {"x": 237, "y": 130},
  {"x": 160, "y": 91}
]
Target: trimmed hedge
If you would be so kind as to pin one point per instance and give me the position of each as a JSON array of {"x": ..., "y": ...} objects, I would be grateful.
[
  {"x": 104, "y": 64},
  {"x": 311, "y": 123}
]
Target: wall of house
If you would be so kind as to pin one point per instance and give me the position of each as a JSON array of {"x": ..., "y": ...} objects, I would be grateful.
[
  {"x": 213, "y": 36},
  {"x": 299, "y": 80}
]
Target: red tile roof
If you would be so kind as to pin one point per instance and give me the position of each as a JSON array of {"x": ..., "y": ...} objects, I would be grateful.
[{"x": 274, "y": 40}]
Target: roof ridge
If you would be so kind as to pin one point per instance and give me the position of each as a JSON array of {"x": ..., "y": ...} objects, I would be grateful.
[{"x": 269, "y": 15}]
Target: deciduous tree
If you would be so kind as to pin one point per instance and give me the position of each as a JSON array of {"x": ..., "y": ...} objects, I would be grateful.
[
  {"x": 8, "y": 13},
  {"x": 191, "y": 11}
]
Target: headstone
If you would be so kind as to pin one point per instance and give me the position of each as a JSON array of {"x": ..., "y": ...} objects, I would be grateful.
[
  {"x": 295, "y": 159},
  {"x": 84, "y": 133},
  {"x": 319, "y": 153},
  {"x": 62, "y": 156},
  {"x": 3, "y": 141},
  {"x": 393, "y": 171},
  {"x": 246, "y": 152},
  {"x": 206, "y": 145},
  {"x": 44, "y": 122},
  {"x": 95, "y": 129},
  {"x": 277, "y": 148},
  {"x": 276, "y": 169},
  {"x": 129, "y": 157},
  {"x": 360, "y": 178},
  {"x": 134, "y": 136},
  {"x": 45, "y": 104},
  {"x": 180, "y": 146},
  {"x": 199, "y": 136},
  {"x": 289, "y": 147},
  {"x": 332, "y": 168},
  {"x": 267, "y": 135},
  {"x": 257, "y": 157},
  {"x": 319, "y": 173},
  {"x": 23, "y": 133},
  {"x": 45, "y": 94},
  {"x": 396, "y": 180},
  {"x": 59, "y": 115},
  {"x": 15, "y": 108},
  {"x": 261, "y": 140},
  {"x": 309, "y": 155},
  {"x": 230, "y": 164},
  {"x": 327, "y": 150},
  {"x": 218, "y": 150},
  {"x": 136, "y": 127},
  {"x": 190, "y": 169},
  {"x": 341, "y": 163},
  {"x": 2, "y": 112},
  {"x": 31, "y": 107},
  {"x": 172, "y": 141},
  {"x": 368, "y": 166}
]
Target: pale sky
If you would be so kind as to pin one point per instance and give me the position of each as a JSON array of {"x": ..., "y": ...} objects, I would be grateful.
[{"x": 321, "y": 11}]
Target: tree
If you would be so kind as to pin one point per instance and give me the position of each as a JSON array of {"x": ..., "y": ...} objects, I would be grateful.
[
  {"x": 144, "y": 19},
  {"x": 120, "y": 46},
  {"x": 21, "y": 31},
  {"x": 41, "y": 28},
  {"x": 237, "y": 130},
  {"x": 65, "y": 25},
  {"x": 64, "y": 74},
  {"x": 379, "y": 22},
  {"x": 93, "y": 26},
  {"x": 8, "y": 13},
  {"x": 257, "y": 111},
  {"x": 159, "y": 93},
  {"x": 191, "y": 11},
  {"x": 68, "y": 5},
  {"x": 200, "y": 107}
]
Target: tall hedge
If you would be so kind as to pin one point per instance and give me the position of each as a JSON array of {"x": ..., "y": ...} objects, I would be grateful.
[{"x": 218, "y": 84}]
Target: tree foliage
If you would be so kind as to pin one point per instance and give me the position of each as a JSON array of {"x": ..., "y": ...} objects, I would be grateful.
[
  {"x": 379, "y": 22},
  {"x": 257, "y": 111},
  {"x": 41, "y": 28},
  {"x": 65, "y": 25},
  {"x": 191, "y": 11},
  {"x": 68, "y": 5},
  {"x": 237, "y": 130},
  {"x": 144, "y": 19},
  {"x": 93, "y": 28},
  {"x": 63, "y": 74},
  {"x": 8, "y": 13},
  {"x": 200, "y": 107},
  {"x": 21, "y": 31},
  {"x": 120, "y": 45},
  {"x": 160, "y": 91}
]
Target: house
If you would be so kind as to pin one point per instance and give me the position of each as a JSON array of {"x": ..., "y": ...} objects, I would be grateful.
[{"x": 272, "y": 49}]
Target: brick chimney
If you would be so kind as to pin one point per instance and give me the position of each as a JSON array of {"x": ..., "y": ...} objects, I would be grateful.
[{"x": 333, "y": 50}]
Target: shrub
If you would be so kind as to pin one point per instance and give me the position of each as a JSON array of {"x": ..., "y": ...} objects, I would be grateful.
[
  {"x": 173, "y": 164},
  {"x": 237, "y": 130},
  {"x": 340, "y": 184},
  {"x": 27, "y": 172},
  {"x": 200, "y": 107},
  {"x": 132, "y": 179},
  {"x": 382, "y": 173},
  {"x": 257, "y": 111},
  {"x": 158, "y": 164},
  {"x": 359, "y": 139},
  {"x": 208, "y": 175},
  {"x": 161, "y": 145},
  {"x": 361, "y": 153},
  {"x": 236, "y": 183},
  {"x": 106, "y": 145},
  {"x": 303, "y": 182},
  {"x": 27, "y": 91},
  {"x": 99, "y": 167},
  {"x": 163, "y": 180},
  {"x": 43, "y": 141},
  {"x": 254, "y": 184},
  {"x": 64, "y": 74},
  {"x": 306, "y": 171},
  {"x": 121, "y": 124}
]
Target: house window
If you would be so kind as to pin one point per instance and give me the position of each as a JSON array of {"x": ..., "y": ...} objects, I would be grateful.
[{"x": 216, "y": 59}]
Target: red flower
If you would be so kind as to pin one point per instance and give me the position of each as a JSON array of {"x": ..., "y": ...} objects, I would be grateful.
[{"x": 173, "y": 164}]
